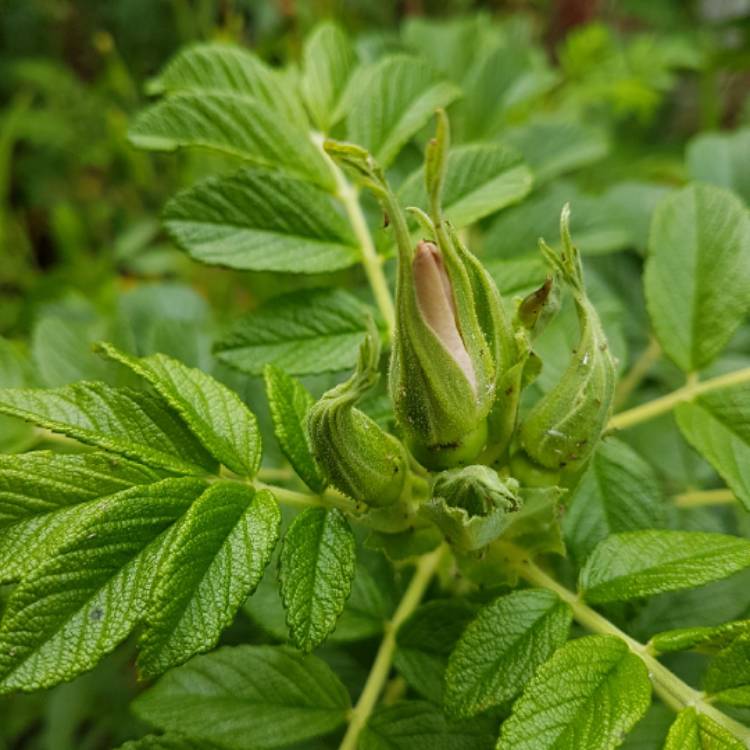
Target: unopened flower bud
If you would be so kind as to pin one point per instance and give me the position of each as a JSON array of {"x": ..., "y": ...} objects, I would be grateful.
[{"x": 357, "y": 456}]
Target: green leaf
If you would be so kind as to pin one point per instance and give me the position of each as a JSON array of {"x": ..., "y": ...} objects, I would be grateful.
[
  {"x": 290, "y": 401},
  {"x": 417, "y": 725},
  {"x": 697, "y": 276},
  {"x": 400, "y": 95},
  {"x": 694, "y": 731},
  {"x": 225, "y": 68},
  {"x": 426, "y": 640},
  {"x": 641, "y": 563},
  {"x": 217, "y": 557},
  {"x": 722, "y": 159},
  {"x": 167, "y": 742},
  {"x": 727, "y": 678},
  {"x": 328, "y": 60},
  {"x": 500, "y": 650},
  {"x": 216, "y": 415},
  {"x": 259, "y": 220},
  {"x": 717, "y": 425},
  {"x": 618, "y": 491},
  {"x": 316, "y": 571},
  {"x": 41, "y": 495},
  {"x": 231, "y": 124},
  {"x": 553, "y": 146},
  {"x": 480, "y": 179},
  {"x": 704, "y": 640},
  {"x": 305, "y": 332},
  {"x": 119, "y": 420},
  {"x": 87, "y": 596},
  {"x": 588, "y": 695},
  {"x": 248, "y": 696}
]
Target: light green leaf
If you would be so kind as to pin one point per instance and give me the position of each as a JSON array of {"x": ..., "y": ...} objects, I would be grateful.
[
  {"x": 40, "y": 498},
  {"x": 217, "y": 557},
  {"x": 417, "y": 725},
  {"x": 220, "y": 67},
  {"x": 232, "y": 124},
  {"x": 87, "y": 596},
  {"x": 704, "y": 640},
  {"x": 694, "y": 731},
  {"x": 588, "y": 695},
  {"x": 500, "y": 650},
  {"x": 248, "y": 696},
  {"x": 400, "y": 95},
  {"x": 289, "y": 402},
  {"x": 426, "y": 640},
  {"x": 328, "y": 60},
  {"x": 480, "y": 179},
  {"x": 15, "y": 372},
  {"x": 216, "y": 415},
  {"x": 119, "y": 420},
  {"x": 316, "y": 571},
  {"x": 717, "y": 425},
  {"x": 722, "y": 159},
  {"x": 642, "y": 563},
  {"x": 259, "y": 220},
  {"x": 553, "y": 146},
  {"x": 697, "y": 277},
  {"x": 302, "y": 333},
  {"x": 727, "y": 678},
  {"x": 618, "y": 491}
]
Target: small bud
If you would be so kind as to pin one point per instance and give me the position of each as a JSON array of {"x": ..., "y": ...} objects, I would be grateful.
[
  {"x": 357, "y": 456},
  {"x": 565, "y": 425}
]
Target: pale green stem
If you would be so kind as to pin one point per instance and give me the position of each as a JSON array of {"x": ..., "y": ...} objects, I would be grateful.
[
  {"x": 662, "y": 405},
  {"x": 296, "y": 499},
  {"x": 372, "y": 262},
  {"x": 272, "y": 474},
  {"x": 700, "y": 498},
  {"x": 381, "y": 667},
  {"x": 669, "y": 687},
  {"x": 637, "y": 372}
]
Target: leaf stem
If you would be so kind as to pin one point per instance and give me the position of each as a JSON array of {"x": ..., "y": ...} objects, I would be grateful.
[
  {"x": 668, "y": 686},
  {"x": 662, "y": 405},
  {"x": 699, "y": 498},
  {"x": 298, "y": 499},
  {"x": 381, "y": 667},
  {"x": 371, "y": 261}
]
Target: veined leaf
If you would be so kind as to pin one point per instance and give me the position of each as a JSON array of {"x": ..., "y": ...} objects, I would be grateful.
[
  {"x": 260, "y": 220},
  {"x": 290, "y": 401},
  {"x": 727, "y": 678},
  {"x": 248, "y": 696},
  {"x": 216, "y": 415},
  {"x": 400, "y": 96},
  {"x": 221, "y": 67},
  {"x": 328, "y": 60},
  {"x": 722, "y": 159},
  {"x": 316, "y": 569},
  {"x": 717, "y": 425},
  {"x": 704, "y": 640},
  {"x": 418, "y": 725},
  {"x": 40, "y": 497},
  {"x": 217, "y": 557},
  {"x": 500, "y": 650},
  {"x": 232, "y": 124},
  {"x": 618, "y": 491},
  {"x": 87, "y": 596},
  {"x": 588, "y": 695},
  {"x": 641, "y": 563},
  {"x": 426, "y": 640},
  {"x": 304, "y": 332},
  {"x": 694, "y": 731},
  {"x": 480, "y": 179},
  {"x": 119, "y": 420},
  {"x": 168, "y": 742},
  {"x": 697, "y": 277}
]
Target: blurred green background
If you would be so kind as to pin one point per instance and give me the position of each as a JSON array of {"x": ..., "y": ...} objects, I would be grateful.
[{"x": 625, "y": 86}]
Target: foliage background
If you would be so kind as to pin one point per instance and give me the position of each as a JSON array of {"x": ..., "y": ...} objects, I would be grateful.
[{"x": 83, "y": 257}]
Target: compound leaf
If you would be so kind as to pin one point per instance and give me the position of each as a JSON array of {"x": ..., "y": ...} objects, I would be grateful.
[{"x": 694, "y": 731}]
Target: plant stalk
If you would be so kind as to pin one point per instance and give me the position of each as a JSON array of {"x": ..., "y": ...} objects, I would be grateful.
[
  {"x": 381, "y": 667},
  {"x": 700, "y": 498}
]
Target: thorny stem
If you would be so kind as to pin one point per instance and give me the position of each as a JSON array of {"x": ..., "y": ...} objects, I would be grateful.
[
  {"x": 700, "y": 498},
  {"x": 662, "y": 405},
  {"x": 381, "y": 667},
  {"x": 371, "y": 261},
  {"x": 668, "y": 686},
  {"x": 639, "y": 371}
]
